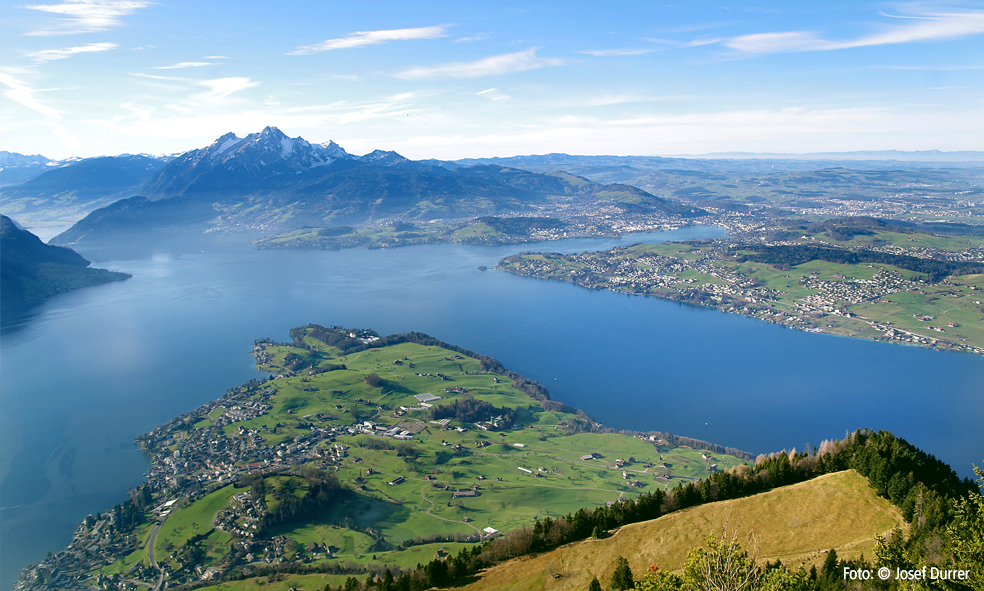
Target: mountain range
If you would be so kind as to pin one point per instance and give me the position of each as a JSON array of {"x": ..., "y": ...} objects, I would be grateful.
[{"x": 267, "y": 181}]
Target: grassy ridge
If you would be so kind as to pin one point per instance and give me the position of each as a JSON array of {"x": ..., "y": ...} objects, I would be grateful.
[{"x": 791, "y": 523}]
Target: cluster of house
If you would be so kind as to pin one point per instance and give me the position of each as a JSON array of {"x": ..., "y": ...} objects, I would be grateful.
[
  {"x": 241, "y": 517},
  {"x": 382, "y": 430}
]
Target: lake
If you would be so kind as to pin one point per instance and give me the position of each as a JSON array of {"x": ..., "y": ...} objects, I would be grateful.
[{"x": 88, "y": 371}]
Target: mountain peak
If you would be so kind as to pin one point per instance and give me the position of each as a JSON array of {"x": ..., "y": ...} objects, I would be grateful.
[
  {"x": 333, "y": 151},
  {"x": 383, "y": 158},
  {"x": 272, "y": 131}
]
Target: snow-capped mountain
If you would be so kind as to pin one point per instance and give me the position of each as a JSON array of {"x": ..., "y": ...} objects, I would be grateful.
[
  {"x": 17, "y": 168},
  {"x": 231, "y": 162},
  {"x": 272, "y": 146}
]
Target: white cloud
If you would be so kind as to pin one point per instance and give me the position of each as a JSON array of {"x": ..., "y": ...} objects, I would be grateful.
[
  {"x": 479, "y": 37},
  {"x": 494, "y": 94},
  {"x": 921, "y": 28},
  {"x": 360, "y": 38},
  {"x": 495, "y": 65},
  {"x": 608, "y": 52},
  {"x": 220, "y": 88},
  {"x": 692, "y": 43},
  {"x": 181, "y": 65},
  {"x": 779, "y": 42},
  {"x": 47, "y": 55},
  {"x": 23, "y": 93},
  {"x": 86, "y": 16},
  {"x": 140, "y": 113},
  {"x": 936, "y": 68},
  {"x": 391, "y": 107}
]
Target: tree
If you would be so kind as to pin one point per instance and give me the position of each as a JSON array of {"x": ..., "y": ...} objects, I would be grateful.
[
  {"x": 594, "y": 585},
  {"x": 965, "y": 534},
  {"x": 437, "y": 572},
  {"x": 658, "y": 580},
  {"x": 780, "y": 579},
  {"x": 622, "y": 577},
  {"x": 721, "y": 566}
]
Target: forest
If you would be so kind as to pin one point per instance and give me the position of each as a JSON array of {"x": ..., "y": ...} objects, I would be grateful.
[{"x": 785, "y": 256}]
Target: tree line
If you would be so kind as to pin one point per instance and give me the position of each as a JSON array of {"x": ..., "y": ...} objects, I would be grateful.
[
  {"x": 785, "y": 256},
  {"x": 323, "y": 491},
  {"x": 469, "y": 410}
]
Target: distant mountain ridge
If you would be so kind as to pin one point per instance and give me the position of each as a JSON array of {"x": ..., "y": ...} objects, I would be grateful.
[
  {"x": 17, "y": 168},
  {"x": 68, "y": 190},
  {"x": 269, "y": 181},
  {"x": 893, "y": 155}
]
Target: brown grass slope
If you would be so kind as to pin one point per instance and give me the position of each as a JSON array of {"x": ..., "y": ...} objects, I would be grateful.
[{"x": 796, "y": 524}]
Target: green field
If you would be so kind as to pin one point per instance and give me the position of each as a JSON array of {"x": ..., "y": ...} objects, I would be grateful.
[{"x": 192, "y": 520}]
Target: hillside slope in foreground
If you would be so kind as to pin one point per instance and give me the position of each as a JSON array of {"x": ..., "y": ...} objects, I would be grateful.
[{"x": 796, "y": 524}]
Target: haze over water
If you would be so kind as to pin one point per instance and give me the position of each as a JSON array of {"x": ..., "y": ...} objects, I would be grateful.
[{"x": 92, "y": 369}]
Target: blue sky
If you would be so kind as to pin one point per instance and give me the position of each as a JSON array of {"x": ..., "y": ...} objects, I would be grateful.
[{"x": 453, "y": 80}]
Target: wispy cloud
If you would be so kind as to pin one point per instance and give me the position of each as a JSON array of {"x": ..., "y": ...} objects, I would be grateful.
[
  {"x": 608, "y": 52},
  {"x": 692, "y": 43},
  {"x": 360, "y": 38},
  {"x": 926, "y": 27},
  {"x": 86, "y": 16},
  {"x": 220, "y": 88},
  {"x": 153, "y": 77},
  {"x": 181, "y": 65},
  {"x": 495, "y": 65},
  {"x": 494, "y": 94},
  {"x": 934, "y": 68},
  {"x": 24, "y": 94},
  {"x": 47, "y": 55},
  {"x": 394, "y": 107},
  {"x": 479, "y": 37}
]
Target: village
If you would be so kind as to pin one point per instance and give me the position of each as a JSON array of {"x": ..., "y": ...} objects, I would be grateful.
[{"x": 706, "y": 274}]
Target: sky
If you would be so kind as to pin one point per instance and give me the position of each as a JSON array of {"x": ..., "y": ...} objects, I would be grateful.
[{"x": 450, "y": 80}]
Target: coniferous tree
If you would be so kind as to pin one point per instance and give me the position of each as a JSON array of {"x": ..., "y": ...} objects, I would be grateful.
[{"x": 622, "y": 577}]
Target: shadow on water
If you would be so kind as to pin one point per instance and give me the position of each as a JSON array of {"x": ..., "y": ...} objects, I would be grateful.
[{"x": 16, "y": 317}]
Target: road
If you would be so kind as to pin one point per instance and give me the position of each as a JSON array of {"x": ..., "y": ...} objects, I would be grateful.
[{"x": 150, "y": 549}]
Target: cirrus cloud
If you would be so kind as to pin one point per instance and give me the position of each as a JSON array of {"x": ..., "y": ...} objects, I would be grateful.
[
  {"x": 26, "y": 95},
  {"x": 47, "y": 55},
  {"x": 182, "y": 65},
  {"x": 495, "y": 65},
  {"x": 220, "y": 88},
  {"x": 927, "y": 27},
  {"x": 86, "y": 16},
  {"x": 609, "y": 52},
  {"x": 360, "y": 38}
]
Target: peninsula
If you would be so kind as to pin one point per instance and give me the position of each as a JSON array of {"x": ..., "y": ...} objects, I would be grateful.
[{"x": 361, "y": 453}]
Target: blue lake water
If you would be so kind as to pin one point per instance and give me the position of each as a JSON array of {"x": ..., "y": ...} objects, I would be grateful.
[{"x": 91, "y": 369}]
